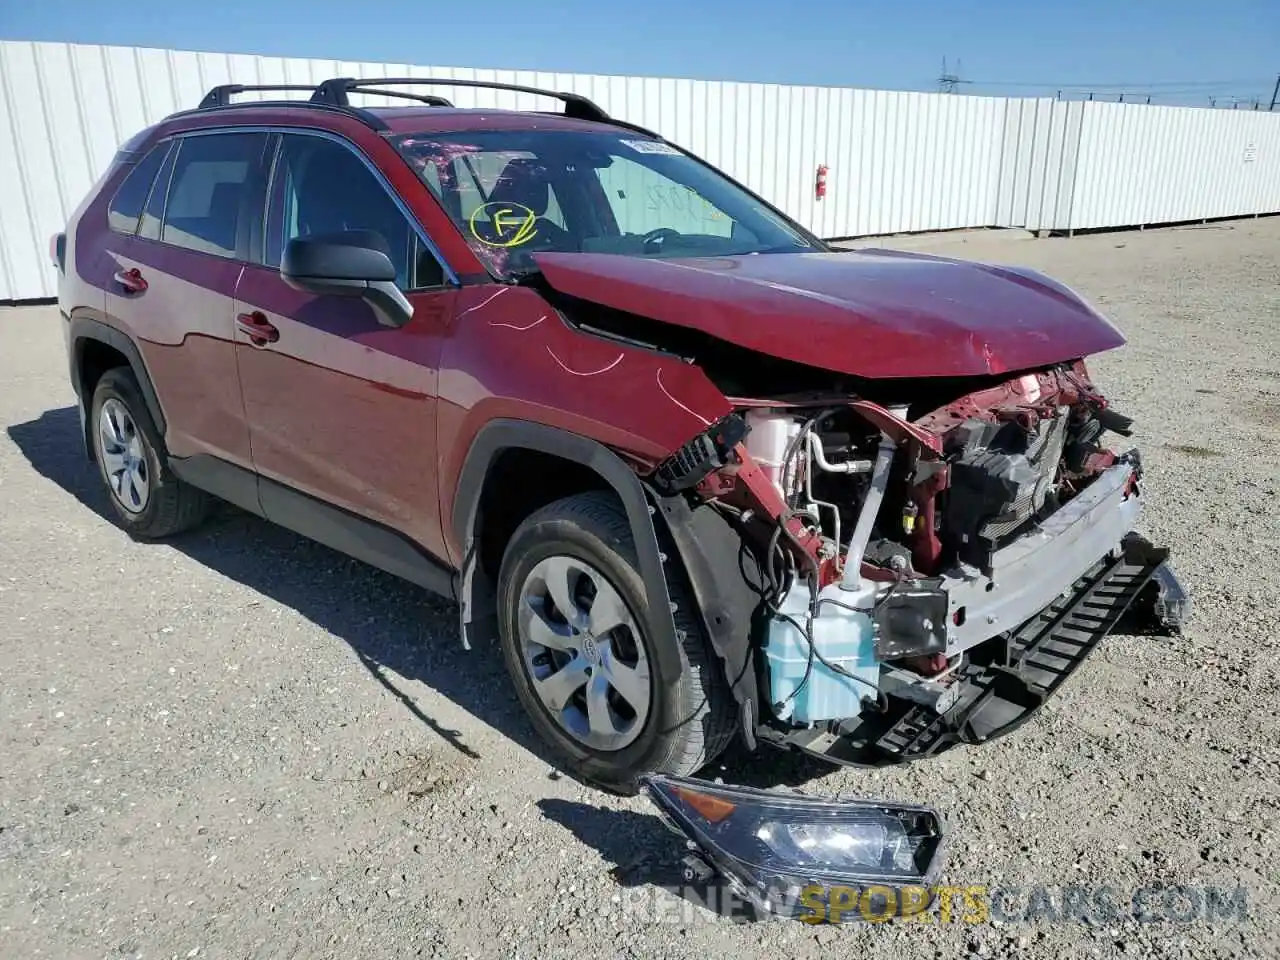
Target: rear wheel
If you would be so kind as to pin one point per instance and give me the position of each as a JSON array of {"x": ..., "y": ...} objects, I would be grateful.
[
  {"x": 573, "y": 608},
  {"x": 148, "y": 500}
]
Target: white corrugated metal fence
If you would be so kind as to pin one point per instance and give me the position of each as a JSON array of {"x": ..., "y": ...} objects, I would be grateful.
[{"x": 898, "y": 162}]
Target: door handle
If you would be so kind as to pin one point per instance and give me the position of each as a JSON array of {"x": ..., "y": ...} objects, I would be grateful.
[
  {"x": 258, "y": 328},
  {"x": 132, "y": 280}
]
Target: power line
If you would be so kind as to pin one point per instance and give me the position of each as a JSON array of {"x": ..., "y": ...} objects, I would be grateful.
[
  {"x": 1156, "y": 95},
  {"x": 1117, "y": 87},
  {"x": 1238, "y": 91}
]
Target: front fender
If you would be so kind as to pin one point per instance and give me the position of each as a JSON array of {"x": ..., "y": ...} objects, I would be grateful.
[{"x": 477, "y": 594}]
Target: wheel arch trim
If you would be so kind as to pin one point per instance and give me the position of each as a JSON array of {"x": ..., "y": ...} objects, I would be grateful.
[
  {"x": 717, "y": 570},
  {"x": 476, "y": 599},
  {"x": 84, "y": 329}
]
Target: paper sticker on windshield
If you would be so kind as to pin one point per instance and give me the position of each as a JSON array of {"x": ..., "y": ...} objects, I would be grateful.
[{"x": 652, "y": 146}]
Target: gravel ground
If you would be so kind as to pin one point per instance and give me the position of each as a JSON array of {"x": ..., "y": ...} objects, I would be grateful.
[{"x": 241, "y": 744}]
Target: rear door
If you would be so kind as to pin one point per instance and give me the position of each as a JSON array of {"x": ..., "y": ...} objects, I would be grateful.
[
  {"x": 174, "y": 269},
  {"x": 340, "y": 407}
]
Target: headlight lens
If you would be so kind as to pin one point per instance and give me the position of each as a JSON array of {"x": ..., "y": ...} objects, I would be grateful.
[
  {"x": 837, "y": 846},
  {"x": 773, "y": 845}
]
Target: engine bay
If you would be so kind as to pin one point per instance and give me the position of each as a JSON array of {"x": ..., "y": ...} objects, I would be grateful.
[{"x": 894, "y": 540}]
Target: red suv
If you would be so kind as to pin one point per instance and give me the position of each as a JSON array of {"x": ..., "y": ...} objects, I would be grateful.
[{"x": 707, "y": 476}]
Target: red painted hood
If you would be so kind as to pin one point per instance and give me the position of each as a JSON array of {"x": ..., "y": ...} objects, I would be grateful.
[{"x": 871, "y": 313}]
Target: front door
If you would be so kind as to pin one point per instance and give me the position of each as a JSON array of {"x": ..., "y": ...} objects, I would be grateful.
[{"x": 340, "y": 407}]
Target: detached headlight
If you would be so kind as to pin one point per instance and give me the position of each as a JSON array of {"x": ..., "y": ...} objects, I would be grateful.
[{"x": 782, "y": 850}]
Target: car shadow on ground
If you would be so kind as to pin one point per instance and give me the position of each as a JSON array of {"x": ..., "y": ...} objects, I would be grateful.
[
  {"x": 644, "y": 855},
  {"x": 395, "y": 628}
]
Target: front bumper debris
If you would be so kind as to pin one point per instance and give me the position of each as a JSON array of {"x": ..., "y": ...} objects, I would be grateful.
[
  {"x": 794, "y": 855},
  {"x": 1028, "y": 573},
  {"x": 1003, "y": 682},
  {"x": 832, "y": 860},
  {"x": 1171, "y": 606}
]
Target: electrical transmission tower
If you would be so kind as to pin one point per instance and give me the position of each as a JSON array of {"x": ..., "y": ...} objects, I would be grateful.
[{"x": 949, "y": 82}]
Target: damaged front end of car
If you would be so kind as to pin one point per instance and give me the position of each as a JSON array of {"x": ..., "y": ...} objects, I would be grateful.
[
  {"x": 923, "y": 578},
  {"x": 901, "y": 519}
]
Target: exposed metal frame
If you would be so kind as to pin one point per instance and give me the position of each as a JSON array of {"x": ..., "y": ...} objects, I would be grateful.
[{"x": 1028, "y": 573}]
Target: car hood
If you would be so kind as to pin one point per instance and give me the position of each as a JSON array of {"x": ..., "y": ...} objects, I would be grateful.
[{"x": 869, "y": 313}]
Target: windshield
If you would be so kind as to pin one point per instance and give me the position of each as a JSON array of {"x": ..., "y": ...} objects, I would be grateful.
[{"x": 514, "y": 193}]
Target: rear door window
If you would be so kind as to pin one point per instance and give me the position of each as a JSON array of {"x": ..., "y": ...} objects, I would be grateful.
[
  {"x": 131, "y": 196},
  {"x": 208, "y": 189}
]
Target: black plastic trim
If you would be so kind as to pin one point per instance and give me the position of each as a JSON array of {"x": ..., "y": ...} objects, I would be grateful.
[
  {"x": 367, "y": 117},
  {"x": 504, "y": 434},
  {"x": 225, "y": 480},
  {"x": 720, "y": 569},
  {"x": 346, "y": 532},
  {"x": 220, "y": 96},
  {"x": 85, "y": 328},
  {"x": 335, "y": 92}
]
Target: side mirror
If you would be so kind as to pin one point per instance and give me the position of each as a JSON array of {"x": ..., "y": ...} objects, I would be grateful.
[{"x": 351, "y": 263}]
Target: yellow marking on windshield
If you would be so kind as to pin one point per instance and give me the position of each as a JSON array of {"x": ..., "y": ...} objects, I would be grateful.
[{"x": 512, "y": 223}]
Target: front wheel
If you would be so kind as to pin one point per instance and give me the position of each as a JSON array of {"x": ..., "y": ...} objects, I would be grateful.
[{"x": 573, "y": 608}]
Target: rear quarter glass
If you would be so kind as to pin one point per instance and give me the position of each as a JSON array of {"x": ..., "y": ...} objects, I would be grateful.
[{"x": 130, "y": 197}]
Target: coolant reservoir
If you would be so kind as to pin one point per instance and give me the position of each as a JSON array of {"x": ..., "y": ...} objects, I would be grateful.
[
  {"x": 771, "y": 433},
  {"x": 842, "y": 635}
]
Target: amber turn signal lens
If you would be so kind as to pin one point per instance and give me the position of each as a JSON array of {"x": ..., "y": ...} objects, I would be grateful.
[{"x": 713, "y": 809}]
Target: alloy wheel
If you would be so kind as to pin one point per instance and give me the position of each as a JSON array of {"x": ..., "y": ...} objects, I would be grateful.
[
  {"x": 582, "y": 649},
  {"x": 124, "y": 456}
]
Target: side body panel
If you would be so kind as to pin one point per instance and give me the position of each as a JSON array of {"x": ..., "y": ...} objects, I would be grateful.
[
  {"x": 182, "y": 325},
  {"x": 78, "y": 294},
  {"x": 485, "y": 351},
  {"x": 343, "y": 408},
  {"x": 174, "y": 305},
  {"x": 509, "y": 355},
  {"x": 95, "y": 253}
]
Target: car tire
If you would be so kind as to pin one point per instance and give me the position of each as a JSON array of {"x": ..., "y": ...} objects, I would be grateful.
[
  {"x": 147, "y": 499},
  {"x": 686, "y": 723}
]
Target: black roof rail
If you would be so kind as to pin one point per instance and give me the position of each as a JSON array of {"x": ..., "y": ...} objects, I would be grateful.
[
  {"x": 332, "y": 95},
  {"x": 221, "y": 96},
  {"x": 335, "y": 92},
  {"x": 428, "y": 99}
]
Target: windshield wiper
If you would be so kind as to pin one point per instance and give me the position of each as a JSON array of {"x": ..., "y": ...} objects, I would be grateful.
[{"x": 789, "y": 248}]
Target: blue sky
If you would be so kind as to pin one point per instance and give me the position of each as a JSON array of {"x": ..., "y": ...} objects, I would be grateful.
[{"x": 1181, "y": 50}]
